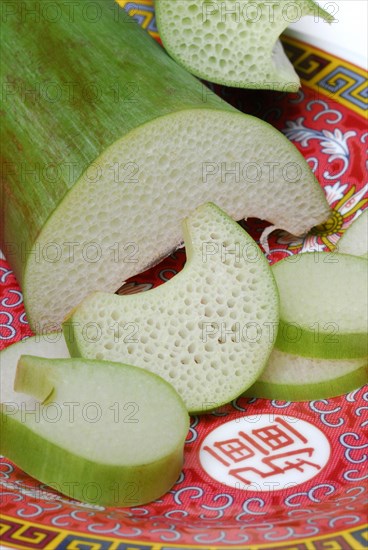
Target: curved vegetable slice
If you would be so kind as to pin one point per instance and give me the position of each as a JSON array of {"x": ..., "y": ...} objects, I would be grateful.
[
  {"x": 290, "y": 377},
  {"x": 208, "y": 331},
  {"x": 115, "y": 147},
  {"x": 233, "y": 42},
  {"x": 323, "y": 305},
  {"x": 121, "y": 445},
  {"x": 355, "y": 239}
]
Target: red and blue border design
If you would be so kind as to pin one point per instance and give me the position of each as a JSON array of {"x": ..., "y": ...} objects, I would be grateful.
[{"x": 24, "y": 535}]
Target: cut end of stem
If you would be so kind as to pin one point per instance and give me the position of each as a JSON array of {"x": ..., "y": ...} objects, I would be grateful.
[{"x": 33, "y": 378}]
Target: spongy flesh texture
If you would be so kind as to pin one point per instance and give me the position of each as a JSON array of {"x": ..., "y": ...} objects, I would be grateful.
[
  {"x": 355, "y": 240},
  {"x": 208, "y": 331},
  {"x": 121, "y": 415},
  {"x": 124, "y": 214},
  {"x": 285, "y": 368},
  {"x": 325, "y": 293},
  {"x": 232, "y": 42}
]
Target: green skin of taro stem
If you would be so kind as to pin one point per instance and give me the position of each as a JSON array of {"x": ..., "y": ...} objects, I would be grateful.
[
  {"x": 307, "y": 392},
  {"x": 39, "y": 133},
  {"x": 325, "y": 340},
  {"x": 327, "y": 346},
  {"x": 83, "y": 479}
]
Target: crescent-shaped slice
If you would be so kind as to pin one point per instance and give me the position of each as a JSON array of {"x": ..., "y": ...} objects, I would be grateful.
[{"x": 208, "y": 331}]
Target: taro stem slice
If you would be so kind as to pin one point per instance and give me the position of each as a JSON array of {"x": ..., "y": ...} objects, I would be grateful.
[
  {"x": 208, "y": 331},
  {"x": 234, "y": 42},
  {"x": 323, "y": 305},
  {"x": 295, "y": 378},
  {"x": 119, "y": 446}
]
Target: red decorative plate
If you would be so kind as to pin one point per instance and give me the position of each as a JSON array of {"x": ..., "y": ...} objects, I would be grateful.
[{"x": 258, "y": 474}]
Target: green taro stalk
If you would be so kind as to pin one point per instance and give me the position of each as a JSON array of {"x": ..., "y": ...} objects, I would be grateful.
[{"x": 107, "y": 144}]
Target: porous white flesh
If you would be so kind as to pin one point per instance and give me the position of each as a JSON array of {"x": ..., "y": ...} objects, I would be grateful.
[
  {"x": 190, "y": 330},
  {"x": 107, "y": 230},
  {"x": 355, "y": 239},
  {"x": 232, "y": 42},
  {"x": 52, "y": 346},
  {"x": 285, "y": 368},
  {"x": 290, "y": 377},
  {"x": 158, "y": 419},
  {"x": 325, "y": 296}
]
